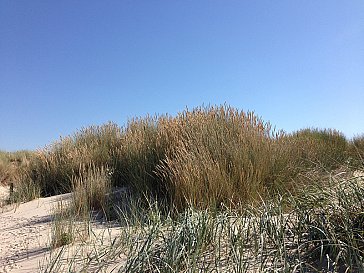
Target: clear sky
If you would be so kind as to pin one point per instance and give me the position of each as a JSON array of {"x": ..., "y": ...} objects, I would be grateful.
[{"x": 69, "y": 64}]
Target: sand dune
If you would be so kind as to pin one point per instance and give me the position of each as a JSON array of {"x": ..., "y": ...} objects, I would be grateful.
[{"x": 25, "y": 236}]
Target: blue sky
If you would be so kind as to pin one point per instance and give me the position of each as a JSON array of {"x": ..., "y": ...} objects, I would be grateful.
[{"x": 69, "y": 64}]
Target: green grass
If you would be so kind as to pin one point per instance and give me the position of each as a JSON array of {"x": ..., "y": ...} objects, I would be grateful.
[
  {"x": 68, "y": 227},
  {"x": 319, "y": 229},
  {"x": 63, "y": 227}
]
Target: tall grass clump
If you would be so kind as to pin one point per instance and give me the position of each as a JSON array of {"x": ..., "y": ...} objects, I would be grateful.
[
  {"x": 54, "y": 166},
  {"x": 324, "y": 148},
  {"x": 14, "y": 168},
  {"x": 220, "y": 156},
  {"x": 205, "y": 156},
  {"x": 213, "y": 155},
  {"x": 356, "y": 151},
  {"x": 12, "y": 165},
  {"x": 142, "y": 146},
  {"x": 63, "y": 227},
  {"x": 91, "y": 196},
  {"x": 91, "y": 191}
]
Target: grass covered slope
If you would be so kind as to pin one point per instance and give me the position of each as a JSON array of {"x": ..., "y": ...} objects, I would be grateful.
[
  {"x": 211, "y": 189},
  {"x": 208, "y": 156}
]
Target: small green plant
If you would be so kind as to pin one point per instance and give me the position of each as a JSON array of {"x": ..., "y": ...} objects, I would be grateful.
[
  {"x": 90, "y": 194},
  {"x": 63, "y": 239},
  {"x": 62, "y": 226}
]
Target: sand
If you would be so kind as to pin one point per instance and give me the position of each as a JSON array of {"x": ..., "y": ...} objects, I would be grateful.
[
  {"x": 24, "y": 233},
  {"x": 25, "y": 236}
]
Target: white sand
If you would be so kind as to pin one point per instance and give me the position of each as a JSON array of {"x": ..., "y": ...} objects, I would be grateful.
[{"x": 25, "y": 233}]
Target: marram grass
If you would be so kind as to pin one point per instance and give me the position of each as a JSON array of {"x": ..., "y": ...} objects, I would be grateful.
[
  {"x": 208, "y": 156},
  {"x": 321, "y": 230},
  {"x": 211, "y": 189}
]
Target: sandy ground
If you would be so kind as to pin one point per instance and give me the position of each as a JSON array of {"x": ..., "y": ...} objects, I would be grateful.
[{"x": 25, "y": 236}]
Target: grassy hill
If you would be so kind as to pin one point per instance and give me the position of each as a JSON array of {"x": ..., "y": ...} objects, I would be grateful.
[{"x": 196, "y": 180}]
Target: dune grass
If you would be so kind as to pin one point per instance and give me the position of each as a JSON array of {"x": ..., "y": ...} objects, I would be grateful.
[
  {"x": 14, "y": 173},
  {"x": 12, "y": 164},
  {"x": 208, "y": 156},
  {"x": 319, "y": 229},
  {"x": 356, "y": 151},
  {"x": 264, "y": 238},
  {"x": 212, "y": 188}
]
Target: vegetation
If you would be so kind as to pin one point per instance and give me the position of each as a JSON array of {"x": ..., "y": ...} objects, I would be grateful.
[
  {"x": 320, "y": 229},
  {"x": 14, "y": 169},
  {"x": 356, "y": 151},
  {"x": 206, "y": 157},
  {"x": 12, "y": 165},
  {"x": 209, "y": 189}
]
